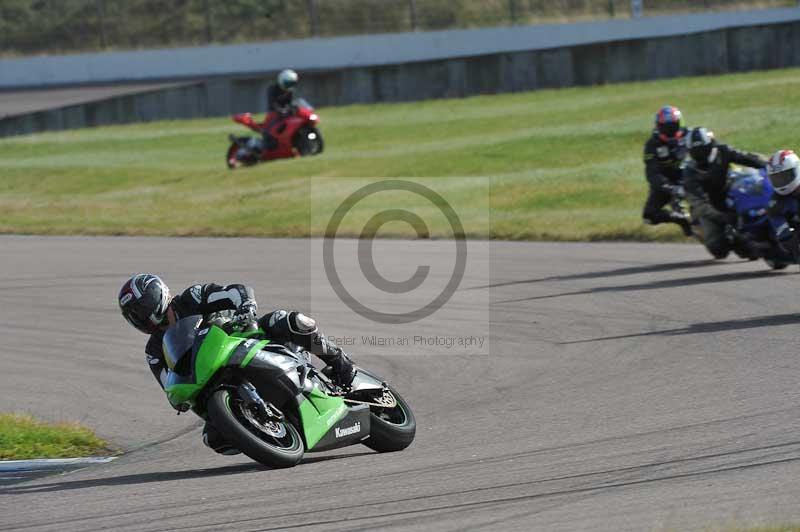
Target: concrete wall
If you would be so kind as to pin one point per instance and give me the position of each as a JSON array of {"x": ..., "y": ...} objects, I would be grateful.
[
  {"x": 712, "y": 52},
  {"x": 359, "y": 51}
]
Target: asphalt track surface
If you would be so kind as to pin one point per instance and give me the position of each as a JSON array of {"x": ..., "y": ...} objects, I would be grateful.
[{"x": 625, "y": 387}]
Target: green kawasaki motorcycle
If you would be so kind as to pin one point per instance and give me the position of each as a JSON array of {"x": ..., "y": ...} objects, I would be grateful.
[{"x": 270, "y": 402}]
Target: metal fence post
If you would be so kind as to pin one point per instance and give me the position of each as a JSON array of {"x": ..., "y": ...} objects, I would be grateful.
[
  {"x": 313, "y": 23},
  {"x": 101, "y": 17},
  {"x": 412, "y": 14},
  {"x": 209, "y": 27},
  {"x": 512, "y": 11},
  {"x": 636, "y": 8}
]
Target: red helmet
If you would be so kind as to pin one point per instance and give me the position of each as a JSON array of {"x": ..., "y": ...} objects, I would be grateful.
[
  {"x": 143, "y": 300},
  {"x": 669, "y": 123}
]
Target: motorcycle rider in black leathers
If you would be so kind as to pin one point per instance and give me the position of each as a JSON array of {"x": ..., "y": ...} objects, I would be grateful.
[
  {"x": 146, "y": 303},
  {"x": 280, "y": 100},
  {"x": 705, "y": 176},
  {"x": 663, "y": 154}
]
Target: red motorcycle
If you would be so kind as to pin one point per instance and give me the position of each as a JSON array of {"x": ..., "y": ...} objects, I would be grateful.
[{"x": 296, "y": 136}]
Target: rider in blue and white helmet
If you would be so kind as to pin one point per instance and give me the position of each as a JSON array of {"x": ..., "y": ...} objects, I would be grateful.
[{"x": 783, "y": 169}]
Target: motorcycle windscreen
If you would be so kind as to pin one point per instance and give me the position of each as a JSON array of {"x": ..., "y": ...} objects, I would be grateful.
[
  {"x": 302, "y": 102},
  {"x": 179, "y": 340}
]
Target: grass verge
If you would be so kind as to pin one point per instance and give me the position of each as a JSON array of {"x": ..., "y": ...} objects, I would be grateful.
[
  {"x": 23, "y": 437},
  {"x": 550, "y": 165}
]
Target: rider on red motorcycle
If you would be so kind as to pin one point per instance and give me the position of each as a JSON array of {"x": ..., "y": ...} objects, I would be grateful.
[
  {"x": 289, "y": 128},
  {"x": 280, "y": 100}
]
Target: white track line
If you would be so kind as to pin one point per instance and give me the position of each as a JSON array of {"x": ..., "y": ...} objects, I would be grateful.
[{"x": 51, "y": 464}]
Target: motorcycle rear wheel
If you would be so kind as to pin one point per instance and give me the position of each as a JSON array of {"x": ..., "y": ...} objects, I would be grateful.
[
  {"x": 391, "y": 429},
  {"x": 228, "y": 416},
  {"x": 230, "y": 157}
]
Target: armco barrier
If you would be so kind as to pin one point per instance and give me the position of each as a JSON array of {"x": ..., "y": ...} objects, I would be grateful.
[{"x": 740, "y": 46}]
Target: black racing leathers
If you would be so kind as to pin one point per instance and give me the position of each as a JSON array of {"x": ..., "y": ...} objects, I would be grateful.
[
  {"x": 280, "y": 102},
  {"x": 280, "y": 326},
  {"x": 201, "y": 300},
  {"x": 662, "y": 164},
  {"x": 709, "y": 185},
  {"x": 296, "y": 328},
  {"x": 707, "y": 188}
]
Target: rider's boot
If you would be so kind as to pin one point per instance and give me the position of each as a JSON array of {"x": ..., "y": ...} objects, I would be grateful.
[
  {"x": 340, "y": 368},
  {"x": 683, "y": 221},
  {"x": 745, "y": 249},
  {"x": 213, "y": 439}
]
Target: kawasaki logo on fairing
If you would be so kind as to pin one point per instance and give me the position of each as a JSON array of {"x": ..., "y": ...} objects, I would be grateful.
[{"x": 348, "y": 431}]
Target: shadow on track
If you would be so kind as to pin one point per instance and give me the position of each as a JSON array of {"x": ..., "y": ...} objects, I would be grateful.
[
  {"x": 655, "y": 285},
  {"x": 706, "y": 328},
  {"x": 630, "y": 270},
  {"x": 145, "y": 478}
]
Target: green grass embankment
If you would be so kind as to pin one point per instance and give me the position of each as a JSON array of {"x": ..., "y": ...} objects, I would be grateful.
[{"x": 547, "y": 165}]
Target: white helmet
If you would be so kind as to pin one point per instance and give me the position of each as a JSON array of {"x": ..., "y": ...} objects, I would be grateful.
[
  {"x": 287, "y": 79},
  {"x": 784, "y": 172}
]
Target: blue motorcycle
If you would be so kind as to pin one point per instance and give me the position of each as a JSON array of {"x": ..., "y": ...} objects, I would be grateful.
[{"x": 749, "y": 193}]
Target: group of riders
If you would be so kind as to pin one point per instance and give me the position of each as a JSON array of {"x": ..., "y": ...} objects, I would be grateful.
[
  {"x": 680, "y": 163},
  {"x": 690, "y": 163}
]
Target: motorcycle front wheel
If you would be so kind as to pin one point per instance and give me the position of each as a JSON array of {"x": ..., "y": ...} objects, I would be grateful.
[
  {"x": 273, "y": 443},
  {"x": 308, "y": 141},
  {"x": 776, "y": 264}
]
